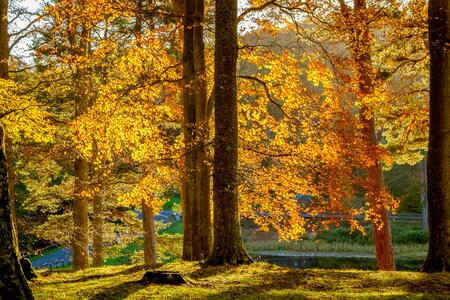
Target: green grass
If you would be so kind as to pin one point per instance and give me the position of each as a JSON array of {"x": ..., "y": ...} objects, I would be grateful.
[
  {"x": 172, "y": 200},
  {"x": 175, "y": 228},
  {"x": 257, "y": 281}
]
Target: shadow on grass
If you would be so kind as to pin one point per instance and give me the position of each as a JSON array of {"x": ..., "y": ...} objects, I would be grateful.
[
  {"x": 326, "y": 283},
  {"x": 120, "y": 291},
  {"x": 96, "y": 276}
]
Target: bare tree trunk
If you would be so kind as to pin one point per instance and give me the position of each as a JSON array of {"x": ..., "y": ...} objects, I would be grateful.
[
  {"x": 13, "y": 284},
  {"x": 438, "y": 164},
  {"x": 360, "y": 43},
  {"x": 148, "y": 226},
  {"x": 97, "y": 231},
  {"x": 227, "y": 243},
  {"x": 196, "y": 187},
  {"x": 423, "y": 191}
]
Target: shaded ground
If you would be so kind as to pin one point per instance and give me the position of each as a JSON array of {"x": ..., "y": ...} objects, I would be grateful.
[{"x": 258, "y": 281}]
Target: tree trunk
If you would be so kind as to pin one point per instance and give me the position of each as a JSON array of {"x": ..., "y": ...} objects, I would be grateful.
[
  {"x": 148, "y": 226},
  {"x": 97, "y": 232},
  {"x": 423, "y": 191},
  {"x": 360, "y": 43},
  {"x": 80, "y": 240},
  {"x": 4, "y": 74},
  {"x": 227, "y": 243},
  {"x": 196, "y": 191},
  {"x": 438, "y": 164},
  {"x": 13, "y": 284}
]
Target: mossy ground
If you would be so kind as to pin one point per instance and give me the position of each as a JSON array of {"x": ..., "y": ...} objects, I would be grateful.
[{"x": 257, "y": 281}]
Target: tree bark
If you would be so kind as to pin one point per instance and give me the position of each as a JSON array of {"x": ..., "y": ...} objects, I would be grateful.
[
  {"x": 13, "y": 284},
  {"x": 4, "y": 74},
  {"x": 438, "y": 164},
  {"x": 360, "y": 43},
  {"x": 227, "y": 243},
  {"x": 196, "y": 185},
  {"x": 148, "y": 226},
  {"x": 97, "y": 231},
  {"x": 423, "y": 191},
  {"x": 80, "y": 239}
]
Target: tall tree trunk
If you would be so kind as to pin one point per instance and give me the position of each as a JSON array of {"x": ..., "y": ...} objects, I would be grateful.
[
  {"x": 148, "y": 226},
  {"x": 196, "y": 187},
  {"x": 423, "y": 191},
  {"x": 438, "y": 165},
  {"x": 227, "y": 243},
  {"x": 80, "y": 239},
  {"x": 148, "y": 215},
  {"x": 97, "y": 231},
  {"x": 13, "y": 284},
  {"x": 360, "y": 43},
  {"x": 4, "y": 74}
]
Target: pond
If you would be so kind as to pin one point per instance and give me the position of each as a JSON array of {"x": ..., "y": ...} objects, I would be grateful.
[{"x": 333, "y": 261}]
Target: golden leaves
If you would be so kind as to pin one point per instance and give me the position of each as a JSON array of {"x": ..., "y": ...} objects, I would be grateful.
[{"x": 22, "y": 116}]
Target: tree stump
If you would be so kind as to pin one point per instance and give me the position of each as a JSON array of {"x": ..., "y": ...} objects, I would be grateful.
[
  {"x": 27, "y": 268},
  {"x": 164, "y": 277}
]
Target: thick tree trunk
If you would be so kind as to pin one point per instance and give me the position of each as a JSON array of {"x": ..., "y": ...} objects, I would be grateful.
[
  {"x": 360, "y": 43},
  {"x": 196, "y": 191},
  {"x": 4, "y": 74},
  {"x": 423, "y": 191},
  {"x": 148, "y": 226},
  {"x": 13, "y": 284},
  {"x": 80, "y": 239},
  {"x": 438, "y": 164},
  {"x": 97, "y": 232},
  {"x": 227, "y": 243}
]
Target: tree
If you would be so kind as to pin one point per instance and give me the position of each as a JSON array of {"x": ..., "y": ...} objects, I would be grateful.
[
  {"x": 360, "y": 43},
  {"x": 438, "y": 163},
  {"x": 196, "y": 177},
  {"x": 227, "y": 243},
  {"x": 13, "y": 284}
]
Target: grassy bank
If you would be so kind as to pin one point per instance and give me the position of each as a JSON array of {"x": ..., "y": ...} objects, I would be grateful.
[{"x": 258, "y": 281}]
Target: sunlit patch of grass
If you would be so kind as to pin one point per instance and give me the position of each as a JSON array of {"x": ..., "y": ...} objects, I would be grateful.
[{"x": 257, "y": 281}]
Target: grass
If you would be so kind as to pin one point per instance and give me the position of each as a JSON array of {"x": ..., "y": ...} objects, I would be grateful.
[
  {"x": 172, "y": 200},
  {"x": 175, "y": 228},
  {"x": 257, "y": 281}
]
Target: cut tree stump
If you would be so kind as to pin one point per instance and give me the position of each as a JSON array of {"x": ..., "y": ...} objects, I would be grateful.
[{"x": 164, "y": 277}]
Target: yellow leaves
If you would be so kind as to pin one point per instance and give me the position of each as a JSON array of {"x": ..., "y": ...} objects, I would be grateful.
[{"x": 22, "y": 116}]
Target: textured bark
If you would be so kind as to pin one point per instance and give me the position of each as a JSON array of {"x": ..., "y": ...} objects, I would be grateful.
[
  {"x": 80, "y": 239},
  {"x": 196, "y": 185},
  {"x": 97, "y": 232},
  {"x": 13, "y": 284},
  {"x": 227, "y": 243},
  {"x": 148, "y": 226},
  {"x": 423, "y": 191},
  {"x": 4, "y": 73},
  {"x": 4, "y": 39},
  {"x": 438, "y": 164},
  {"x": 360, "y": 42}
]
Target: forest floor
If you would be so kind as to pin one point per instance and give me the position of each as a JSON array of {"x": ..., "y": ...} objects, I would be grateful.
[{"x": 257, "y": 281}]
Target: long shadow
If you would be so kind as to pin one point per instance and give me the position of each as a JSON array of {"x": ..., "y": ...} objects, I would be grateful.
[
  {"x": 120, "y": 291},
  {"x": 305, "y": 280},
  {"x": 97, "y": 276}
]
